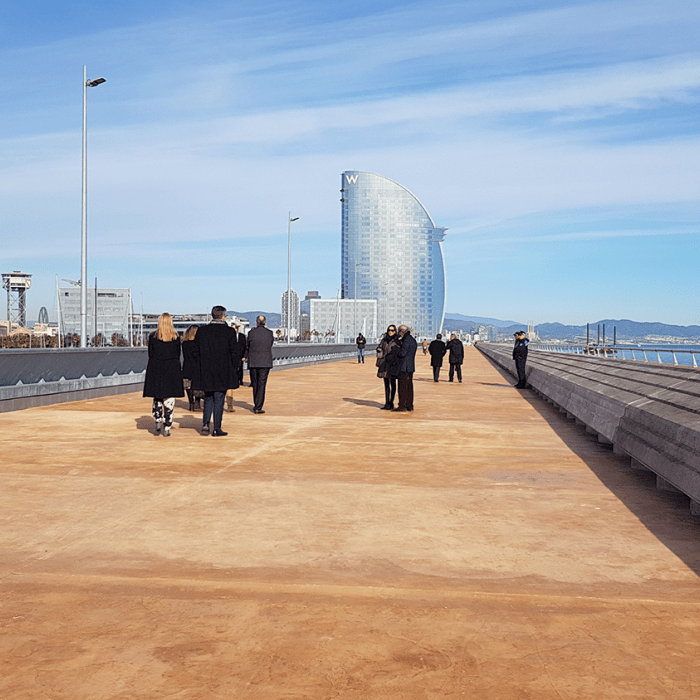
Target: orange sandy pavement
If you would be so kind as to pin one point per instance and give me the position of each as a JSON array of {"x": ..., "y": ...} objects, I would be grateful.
[{"x": 481, "y": 547}]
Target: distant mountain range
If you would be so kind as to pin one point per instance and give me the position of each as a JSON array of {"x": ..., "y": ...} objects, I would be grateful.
[
  {"x": 478, "y": 320},
  {"x": 624, "y": 329}
]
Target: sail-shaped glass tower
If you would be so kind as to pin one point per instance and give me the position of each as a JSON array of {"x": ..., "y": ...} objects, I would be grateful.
[{"x": 392, "y": 252}]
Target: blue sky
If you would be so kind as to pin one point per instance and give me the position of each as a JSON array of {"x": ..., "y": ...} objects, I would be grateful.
[{"x": 559, "y": 142}]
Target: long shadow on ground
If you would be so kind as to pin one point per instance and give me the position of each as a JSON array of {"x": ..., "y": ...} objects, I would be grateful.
[{"x": 665, "y": 514}]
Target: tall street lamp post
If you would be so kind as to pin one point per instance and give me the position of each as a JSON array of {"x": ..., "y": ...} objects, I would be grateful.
[
  {"x": 289, "y": 275},
  {"x": 83, "y": 248}
]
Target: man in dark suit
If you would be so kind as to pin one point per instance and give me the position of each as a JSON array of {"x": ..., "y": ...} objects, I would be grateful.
[
  {"x": 456, "y": 357},
  {"x": 260, "y": 340},
  {"x": 216, "y": 350},
  {"x": 407, "y": 366},
  {"x": 437, "y": 351}
]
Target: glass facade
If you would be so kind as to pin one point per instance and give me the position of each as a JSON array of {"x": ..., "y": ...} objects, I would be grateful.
[
  {"x": 111, "y": 315},
  {"x": 340, "y": 320},
  {"x": 391, "y": 252}
]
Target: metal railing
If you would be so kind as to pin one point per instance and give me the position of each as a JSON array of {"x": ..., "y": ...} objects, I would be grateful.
[
  {"x": 52, "y": 375},
  {"x": 314, "y": 353},
  {"x": 660, "y": 355}
]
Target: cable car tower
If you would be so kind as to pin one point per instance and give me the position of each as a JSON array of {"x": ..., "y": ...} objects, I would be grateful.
[{"x": 17, "y": 283}]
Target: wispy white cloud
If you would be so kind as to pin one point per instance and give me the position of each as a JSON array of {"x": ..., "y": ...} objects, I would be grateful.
[
  {"x": 212, "y": 127},
  {"x": 527, "y": 238}
]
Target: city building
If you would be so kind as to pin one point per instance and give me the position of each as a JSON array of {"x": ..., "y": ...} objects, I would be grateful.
[
  {"x": 305, "y": 314},
  {"x": 341, "y": 320},
  {"x": 6, "y": 327},
  {"x": 108, "y": 317},
  {"x": 391, "y": 252},
  {"x": 292, "y": 308}
]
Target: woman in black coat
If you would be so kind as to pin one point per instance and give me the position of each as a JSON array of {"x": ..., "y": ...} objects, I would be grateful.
[
  {"x": 163, "y": 374},
  {"x": 190, "y": 368},
  {"x": 387, "y": 360}
]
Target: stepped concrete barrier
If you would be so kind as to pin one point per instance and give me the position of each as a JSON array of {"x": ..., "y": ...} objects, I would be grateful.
[
  {"x": 41, "y": 377},
  {"x": 648, "y": 412}
]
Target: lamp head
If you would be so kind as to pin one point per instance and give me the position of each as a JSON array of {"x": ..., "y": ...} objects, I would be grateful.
[{"x": 95, "y": 82}]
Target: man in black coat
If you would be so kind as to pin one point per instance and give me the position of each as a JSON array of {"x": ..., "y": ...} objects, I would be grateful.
[
  {"x": 407, "y": 366},
  {"x": 243, "y": 348},
  {"x": 520, "y": 357},
  {"x": 216, "y": 350},
  {"x": 437, "y": 351},
  {"x": 260, "y": 340},
  {"x": 456, "y": 358}
]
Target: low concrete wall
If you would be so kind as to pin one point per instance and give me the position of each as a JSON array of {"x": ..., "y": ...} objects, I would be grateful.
[
  {"x": 41, "y": 377},
  {"x": 649, "y": 412}
]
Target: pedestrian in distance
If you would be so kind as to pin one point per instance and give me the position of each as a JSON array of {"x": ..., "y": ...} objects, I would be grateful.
[
  {"x": 260, "y": 341},
  {"x": 407, "y": 366},
  {"x": 387, "y": 356},
  {"x": 361, "y": 341},
  {"x": 520, "y": 357},
  {"x": 163, "y": 381},
  {"x": 437, "y": 350},
  {"x": 216, "y": 350},
  {"x": 426, "y": 346},
  {"x": 190, "y": 369},
  {"x": 454, "y": 345}
]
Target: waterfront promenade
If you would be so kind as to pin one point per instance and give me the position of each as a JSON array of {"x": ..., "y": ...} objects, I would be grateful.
[{"x": 481, "y": 547}]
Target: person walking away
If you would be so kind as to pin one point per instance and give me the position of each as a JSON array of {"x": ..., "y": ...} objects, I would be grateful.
[
  {"x": 216, "y": 349},
  {"x": 260, "y": 340},
  {"x": 407, "y": 366},
  {"x": 456, "y": 358},
  {"x": 190, "y": 368},
  {"x": 437, "y": 351},
  {"x": 163, "y": 381},
  {"x": 361, "y": 341},
  {"x": 426, "y": 347},
  {"x": 520, "y": 357},
  {"x": 387, "y": 353},
  {"x": 242, "y": 349}
]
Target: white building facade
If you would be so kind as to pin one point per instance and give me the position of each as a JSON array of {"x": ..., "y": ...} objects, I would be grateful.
[
  {"x": 293, "y": 311},
  {"x": 108, "y": 316},
  {"x": 391, "y": 252},
  {"x": 341, "y": 320}
]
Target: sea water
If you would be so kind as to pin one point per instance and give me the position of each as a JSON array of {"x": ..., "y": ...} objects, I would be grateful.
[{"x": 665, "y": 353}]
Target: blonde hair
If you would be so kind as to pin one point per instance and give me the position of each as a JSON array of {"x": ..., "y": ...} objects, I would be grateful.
[
  {"x": 166, "y": 330},
  {"x": 190, "y": 333}
]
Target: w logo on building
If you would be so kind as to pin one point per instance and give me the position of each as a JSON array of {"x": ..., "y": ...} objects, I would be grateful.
[{"x": 351, "y": 179}]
